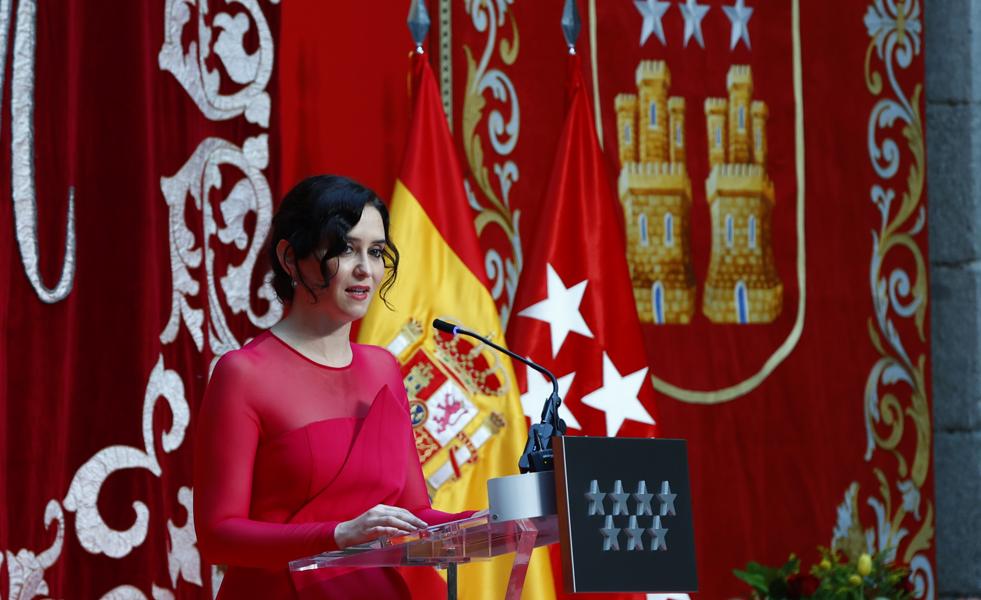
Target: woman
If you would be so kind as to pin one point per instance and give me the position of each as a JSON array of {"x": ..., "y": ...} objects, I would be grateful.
[{"x": 304, "y": 442}]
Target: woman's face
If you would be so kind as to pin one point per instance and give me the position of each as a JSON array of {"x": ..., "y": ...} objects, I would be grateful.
[{"x": 357, "y": 271}]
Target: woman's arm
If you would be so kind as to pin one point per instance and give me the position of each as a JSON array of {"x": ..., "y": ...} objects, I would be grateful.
[{"x": 227, "y": 436}]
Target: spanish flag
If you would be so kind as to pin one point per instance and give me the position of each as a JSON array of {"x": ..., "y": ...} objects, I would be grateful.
[{"x": 464, "y": 403}]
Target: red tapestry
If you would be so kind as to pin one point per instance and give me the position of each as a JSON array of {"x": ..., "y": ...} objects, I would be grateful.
[
  {"x": 768, "y": 162},
  {"x": 145, "y": 131}
]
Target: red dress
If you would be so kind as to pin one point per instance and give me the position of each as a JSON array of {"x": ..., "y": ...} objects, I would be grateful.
[{"x": 286, "y": 449}]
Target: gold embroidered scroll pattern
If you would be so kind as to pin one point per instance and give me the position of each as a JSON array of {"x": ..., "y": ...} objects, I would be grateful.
[
  {"x": 896, "y": 389},
  {"x": 493, "y": 206}
]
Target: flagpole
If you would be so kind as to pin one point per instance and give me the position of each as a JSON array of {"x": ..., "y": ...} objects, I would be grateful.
[
  {"x": 418, "y": 23},
  {"x": 571, "y": 24}
]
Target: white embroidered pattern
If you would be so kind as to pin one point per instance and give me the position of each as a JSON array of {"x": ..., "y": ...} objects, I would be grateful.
[
  {"x": 189, "y": 250},
  {"x": 197, "y": 178},
  {"x": 22, "y": 172},
  {"x": 203, "y": 84},
  {"x": 182, "y": 555},
  {"x": 93, "y": 533},
  {"x": 25, "y": 569}
]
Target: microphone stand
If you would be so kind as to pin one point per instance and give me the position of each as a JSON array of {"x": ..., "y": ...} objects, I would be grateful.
[{"x": 538, "y": 455}]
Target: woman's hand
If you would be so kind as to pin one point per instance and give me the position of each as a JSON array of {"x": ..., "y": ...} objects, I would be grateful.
[{"x": 380, "y": 521}]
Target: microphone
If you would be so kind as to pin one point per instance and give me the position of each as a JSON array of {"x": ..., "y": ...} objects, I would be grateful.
[{"x": 538, "y": 455}]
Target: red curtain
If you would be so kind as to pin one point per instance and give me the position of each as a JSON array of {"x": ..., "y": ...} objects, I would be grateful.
[
  {"x": 99, "y": 385},
  {"x": 812, "y": 426}
]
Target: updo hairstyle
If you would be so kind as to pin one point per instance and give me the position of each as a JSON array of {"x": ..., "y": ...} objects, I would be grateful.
[{"x": 317, "y": 214}]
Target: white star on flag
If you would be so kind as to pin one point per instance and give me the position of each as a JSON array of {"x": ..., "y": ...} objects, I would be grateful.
[
  {"x": 693, "y": 12},
  {"x": 739, "y": 15},
  {"x": 618, "y": 397},
  {"x": 652, "y": 11},
  {"x": 539, "y": 389},
  {"x": 560, "y": 309}
]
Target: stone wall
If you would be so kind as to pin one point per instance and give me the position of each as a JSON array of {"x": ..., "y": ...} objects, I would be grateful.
[{"x": 953, "y": 122}]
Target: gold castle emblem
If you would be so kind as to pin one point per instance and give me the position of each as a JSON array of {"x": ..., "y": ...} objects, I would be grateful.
[{"x": 742, "y": 285}]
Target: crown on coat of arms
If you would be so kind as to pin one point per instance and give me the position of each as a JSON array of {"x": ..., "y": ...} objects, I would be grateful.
[{"x": 479, "y": 373}]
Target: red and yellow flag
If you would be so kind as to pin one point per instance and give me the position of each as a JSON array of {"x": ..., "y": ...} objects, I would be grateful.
[{"x": 465, "y": 406}]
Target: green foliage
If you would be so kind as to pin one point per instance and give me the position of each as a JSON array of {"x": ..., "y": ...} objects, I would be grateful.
[{"x": 833, "y": 578}]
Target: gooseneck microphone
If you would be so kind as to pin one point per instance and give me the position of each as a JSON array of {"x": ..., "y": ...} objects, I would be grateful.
[{"x": 538, "y": 454}]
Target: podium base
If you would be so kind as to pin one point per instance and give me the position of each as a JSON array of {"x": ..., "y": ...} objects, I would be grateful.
[{"x": 524, "y": 496}]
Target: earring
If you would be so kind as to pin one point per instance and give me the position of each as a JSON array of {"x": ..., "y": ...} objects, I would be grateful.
[{"x": 293, "y": 282}]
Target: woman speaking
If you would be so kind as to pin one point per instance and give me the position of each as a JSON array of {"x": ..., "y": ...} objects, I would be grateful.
[{"x": 304, "y": 442}]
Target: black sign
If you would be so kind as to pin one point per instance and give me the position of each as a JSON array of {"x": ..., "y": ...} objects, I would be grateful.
[{"x": 625, "y": 515}]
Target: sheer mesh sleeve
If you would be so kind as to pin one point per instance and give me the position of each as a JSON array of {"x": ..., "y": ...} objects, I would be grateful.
[
  {"x": 259, "y": 457},
  {"x": 226, "y": 440}
]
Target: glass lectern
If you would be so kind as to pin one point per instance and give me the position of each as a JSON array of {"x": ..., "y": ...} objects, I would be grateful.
[{"x": 445, "y": 546}]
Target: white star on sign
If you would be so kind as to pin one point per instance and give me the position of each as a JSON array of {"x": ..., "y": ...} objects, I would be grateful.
[
  {"x": 652, "y": 11},
  {"x": 539, "y": 389},
  {"x": 693, "y": 13},
  {"x": 618, "y": 397},
  {"x": 739, "y": 15},
  {"x": 560, "y": 310}
]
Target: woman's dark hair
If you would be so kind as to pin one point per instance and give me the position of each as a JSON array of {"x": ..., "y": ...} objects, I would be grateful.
[{"x": 317, "y": 214}]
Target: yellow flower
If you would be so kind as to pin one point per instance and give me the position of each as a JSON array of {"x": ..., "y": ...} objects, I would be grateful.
[
  {"x": 864, "y": 564},
  {"x": 855, "y": 580},
  {"x": 825, "y": 564}
]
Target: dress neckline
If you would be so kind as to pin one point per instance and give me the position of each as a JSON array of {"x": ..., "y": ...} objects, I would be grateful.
[
  {"x": 306, "y": 358},
  {"x": 279, "y": 437},
  {"x": 358, "y": 421}
]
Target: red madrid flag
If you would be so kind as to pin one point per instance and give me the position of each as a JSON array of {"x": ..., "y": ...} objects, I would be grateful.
[{"x": 574, "y": 309}]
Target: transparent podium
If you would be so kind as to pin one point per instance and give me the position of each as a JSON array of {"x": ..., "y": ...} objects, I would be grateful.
[
  {"x": 620, "y": 508},
  {"x": 445, "y": 546}
]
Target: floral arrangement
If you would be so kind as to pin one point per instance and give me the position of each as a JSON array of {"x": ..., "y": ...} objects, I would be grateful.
[{"x": 833, "y": 577}]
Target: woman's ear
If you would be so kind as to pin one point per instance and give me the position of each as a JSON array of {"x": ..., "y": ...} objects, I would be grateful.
[{"x": 284, "y": 252}]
